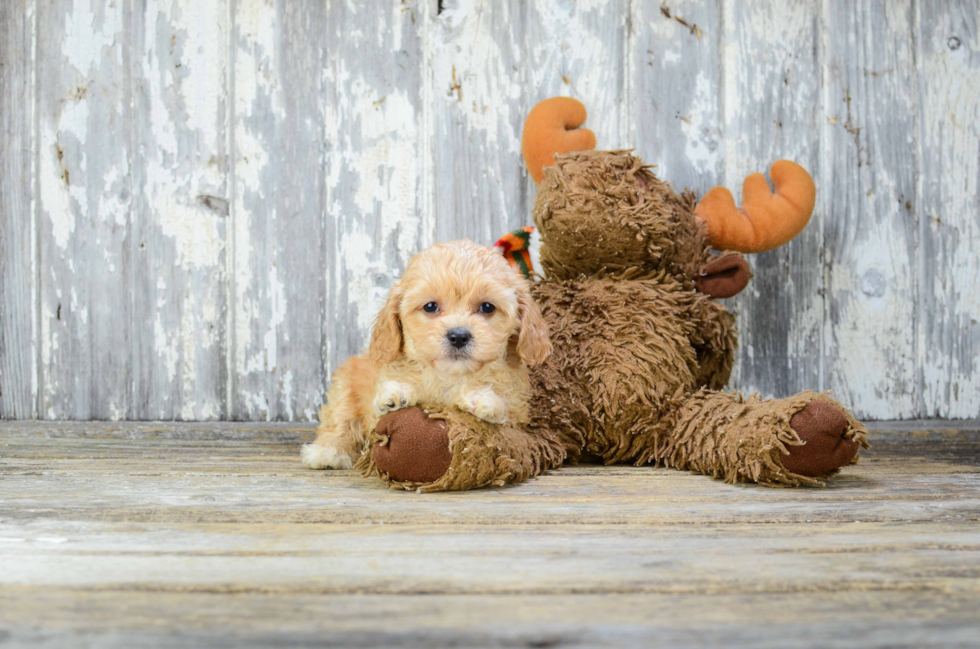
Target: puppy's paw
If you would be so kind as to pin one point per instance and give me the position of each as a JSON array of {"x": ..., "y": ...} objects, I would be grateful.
[
  {"x": 315, "y": 456},
  {"x": 394, "y": 396},
  {"x": 485, "y": 405}
]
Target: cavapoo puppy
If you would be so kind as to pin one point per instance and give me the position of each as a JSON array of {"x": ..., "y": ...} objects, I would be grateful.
[{"x": 460, "y": 329}]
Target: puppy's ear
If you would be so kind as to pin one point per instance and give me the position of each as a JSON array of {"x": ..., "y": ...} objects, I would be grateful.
[
  {"x": 533, "y": 344},
  {"x": 386, "y": 335}
]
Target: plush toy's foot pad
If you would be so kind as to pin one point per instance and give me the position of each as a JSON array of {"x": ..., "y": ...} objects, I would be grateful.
[
  {"x": 439, "y": 448},
  {"x": 417, "y": 448},
  {"x": 821, "y": 426}
]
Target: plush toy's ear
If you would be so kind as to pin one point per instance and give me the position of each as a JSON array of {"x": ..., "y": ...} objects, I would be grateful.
[
  {"x": 550, "y": 129},
  {"x": 533, "y": 344},
  {"x": 386, "y": 335},
  {"x": 766, "y": 220}
]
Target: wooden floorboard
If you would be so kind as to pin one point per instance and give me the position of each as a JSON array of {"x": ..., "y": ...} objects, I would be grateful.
[{"x": 120, "y": 535}]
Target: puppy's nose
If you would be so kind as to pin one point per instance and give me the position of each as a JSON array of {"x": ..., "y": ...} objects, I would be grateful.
[{"x": 458, "y": 337}]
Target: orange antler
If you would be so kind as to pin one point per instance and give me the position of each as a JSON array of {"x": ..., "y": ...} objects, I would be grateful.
[
  {"x": 766, "y": 220},
  {"x": 550, "y": 129}
]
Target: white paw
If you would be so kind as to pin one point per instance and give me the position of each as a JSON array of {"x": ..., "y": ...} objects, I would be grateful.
[
  {"x": 486, "y": 405},
  {"x": 393, "y": 396},
  {"x": 315, "y": 456}
]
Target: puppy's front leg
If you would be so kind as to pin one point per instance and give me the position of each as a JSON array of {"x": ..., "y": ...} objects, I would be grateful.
[
  {"x": 335, "y": 447},
  {"x": 484, "y": 404},
  {"x": 393, "y": 395}
]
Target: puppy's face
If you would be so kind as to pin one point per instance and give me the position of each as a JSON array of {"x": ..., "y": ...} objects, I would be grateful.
[{"x": 457, "y": 307}]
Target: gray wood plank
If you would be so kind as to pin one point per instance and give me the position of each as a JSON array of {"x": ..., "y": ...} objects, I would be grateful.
[
  {"x": 870, "y": 225},
  {"x": 378, "y": 170},
  {"x": 18, "y": 378},
  {"x": 475, "y": 68},
  {"x": 772, "y": 110},
  {"x": 248, "y": 473},
  {"x": 418, "y": 559},
  {"x": 277, "y": 210},
  {"x": 948, "y": 209},
  {"x": 677, "y": 77},
  {"x": 580, "y": 49},
  {"x": 180, "y": 213},
  {"x": 179, "y": 534},
  {"x": 84, "y": 197},
  {"x": 135, "y": 617}
]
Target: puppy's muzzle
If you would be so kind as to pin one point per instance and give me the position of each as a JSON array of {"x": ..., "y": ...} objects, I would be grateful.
[{"x": 459, "y": 337}]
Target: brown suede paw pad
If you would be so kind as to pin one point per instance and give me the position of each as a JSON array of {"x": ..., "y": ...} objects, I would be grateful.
[
  {"x": 821, "y": 426},
  {"x": 417, "y": 448}
]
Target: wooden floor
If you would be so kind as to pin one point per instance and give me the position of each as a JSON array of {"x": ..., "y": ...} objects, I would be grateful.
[{"x": 123, "y": 535}]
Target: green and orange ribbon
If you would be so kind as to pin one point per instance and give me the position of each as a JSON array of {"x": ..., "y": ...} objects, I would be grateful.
[{"x": 516, "y": 248}]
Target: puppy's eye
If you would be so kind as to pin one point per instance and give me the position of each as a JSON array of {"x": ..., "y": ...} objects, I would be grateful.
[
  {"x": 487, "y": 308},
  {"x": 431, "y": 307}
]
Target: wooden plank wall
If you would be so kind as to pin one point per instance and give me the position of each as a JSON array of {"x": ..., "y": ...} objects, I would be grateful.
[{"x": 204, "y": 201}]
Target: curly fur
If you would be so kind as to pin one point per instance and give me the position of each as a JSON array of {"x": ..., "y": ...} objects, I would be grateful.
[{"x": 410, "y": 360}]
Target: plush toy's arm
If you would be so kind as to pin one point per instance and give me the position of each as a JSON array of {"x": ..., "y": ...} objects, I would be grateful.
[
  {"x": 714, "y": 338},
  {"x": 724, "y": 275}
]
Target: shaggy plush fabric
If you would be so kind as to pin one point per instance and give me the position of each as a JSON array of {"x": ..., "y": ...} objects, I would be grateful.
[
  {"x": 639, "y": 353},
  {"x": 482, "y": 454},
  {"x": 625, "y": 353},
  {"x": 742, "y": 440},
  {"x": 604, "y": 211}
]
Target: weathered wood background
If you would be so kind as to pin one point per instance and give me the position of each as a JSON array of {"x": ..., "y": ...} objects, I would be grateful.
[{"x": 204, "y": 201}]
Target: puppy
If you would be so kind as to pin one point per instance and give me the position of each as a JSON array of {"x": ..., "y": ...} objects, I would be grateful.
[{"x": 459, "y": 329}]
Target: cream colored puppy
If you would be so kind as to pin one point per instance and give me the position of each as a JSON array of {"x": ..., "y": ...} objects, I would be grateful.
[{"x": 459, "y": 328}]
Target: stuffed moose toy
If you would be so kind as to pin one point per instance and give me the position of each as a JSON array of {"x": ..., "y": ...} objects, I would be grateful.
[{"x": 641, "y": 347}]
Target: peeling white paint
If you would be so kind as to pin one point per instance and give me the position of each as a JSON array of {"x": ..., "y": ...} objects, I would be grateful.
[
  {"x": 164, "y": 349},
  {"x": 194, "y": 231},
  {"x": 265, "y": 358},
  {"x": 386, "y": 166},
  {"x": 89, "y": 30},
  {"x": 474, "y": 73},
  {"x": 182, "y": 73},
  {"x": 359, "y": 265},
  {"x": 50, "y": 344},
  {"x": 408, "y": 152},
  {"x": 55, "y": 196},
  {"x": 188, "y": 329},
  {"x": 204, "y": 64},
  {"x": 874, "y": 327},
  {"x": 260, "y": 304},
  {"x": 949, "y": 198},
  {"x": 115, "y": 412},
  {"x": 288, "y": 398},
  {"x": 375, "y": 175},
  {"x": 703, "y": 146},
  {"x": 577, "y": 51}
]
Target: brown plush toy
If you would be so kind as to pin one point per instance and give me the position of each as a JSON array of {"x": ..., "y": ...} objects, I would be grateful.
[{"x": 641, "y": 346}]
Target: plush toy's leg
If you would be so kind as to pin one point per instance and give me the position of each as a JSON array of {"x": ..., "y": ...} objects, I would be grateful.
[
  {"x": 790, "y": 441},
  {"x": 431, "y": 448}
]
